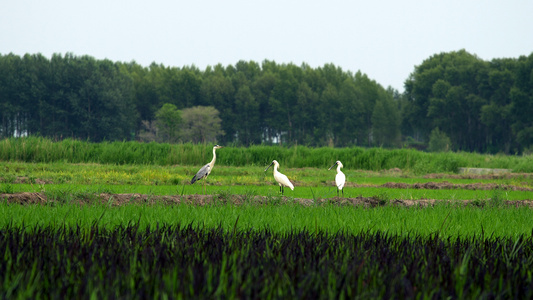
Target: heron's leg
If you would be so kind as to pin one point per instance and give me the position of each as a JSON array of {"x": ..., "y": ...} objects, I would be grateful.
[
  {"x": 205, "y": 182},
  {"x": 342, "y": 193}
]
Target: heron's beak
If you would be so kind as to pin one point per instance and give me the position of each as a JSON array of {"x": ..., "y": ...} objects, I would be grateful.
[
  {"x": 332, "y": 166},
  {"x": 269, "y": 166}
]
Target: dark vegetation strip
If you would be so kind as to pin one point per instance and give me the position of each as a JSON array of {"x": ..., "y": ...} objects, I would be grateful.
[{"x": 193, "y": 262}]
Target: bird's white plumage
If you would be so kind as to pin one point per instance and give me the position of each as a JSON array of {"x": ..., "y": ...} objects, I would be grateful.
[
  {"x": 340, "y": 178},
  {"x": 281, "y": 179}
]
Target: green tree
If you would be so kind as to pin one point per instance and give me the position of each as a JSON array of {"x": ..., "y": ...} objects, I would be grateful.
[
  {"x": 522, "y": 111},
  {"x": 521, "y": 96},
  {"x": 263, "y": 87},
  {"x": 283, "y": 101},
  {"x": 368, "y": 91},
  {"x": 306, "y": 120},
  {"x": 329, "y": 116},
  {"x": 480, "y": 106},
  {"x": 201, "y": 124},
  {"x": 145, "y": 96},
  {"x": 55, "y": 110},
  {"x": 444, "y": 91},
  {"x": 386, "y": 123},
  {"x": 168, "y": 122},
  {"x": 247, "y": 108},
  {"x": 188, "y": 86},
  {"x": 439, "y": 141},
  {"x": 103, "y": 102},
  {"x": 217, "y": 90},
  {"x": 9, "y": 102},
  {"x": 352, "y": 114}
]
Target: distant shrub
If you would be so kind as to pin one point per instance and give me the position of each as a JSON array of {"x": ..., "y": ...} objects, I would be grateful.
[{"x": 439, "y": 141}]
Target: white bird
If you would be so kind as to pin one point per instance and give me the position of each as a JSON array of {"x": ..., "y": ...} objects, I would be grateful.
[
  {"x": 282, "y": 180},
  {"x": 206, "y": 170},
  {"x": 340, "y": 178}
]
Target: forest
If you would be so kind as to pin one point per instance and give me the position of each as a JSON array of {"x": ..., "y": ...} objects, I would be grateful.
[{"x": 452, "y": 101}]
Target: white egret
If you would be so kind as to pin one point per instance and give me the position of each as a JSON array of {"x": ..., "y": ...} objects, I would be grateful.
[
  {"x": 206, "y": 170},
  {"x": 282, "y": 180},
  {"x": 340, "y": 178}
]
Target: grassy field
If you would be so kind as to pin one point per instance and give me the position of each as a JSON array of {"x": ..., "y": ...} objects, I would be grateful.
[
  {"x": 66, "y": 193},
  {"x": 446, "y": 219},
  {"x": 65, "y": 183},
  {"x": 92, "y": 173},
  {"x": 36, "y": 150},
  {"x": 270, "y": 248}
]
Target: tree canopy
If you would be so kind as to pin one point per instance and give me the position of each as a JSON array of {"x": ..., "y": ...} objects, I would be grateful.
[{"x": 483, "y": 106}]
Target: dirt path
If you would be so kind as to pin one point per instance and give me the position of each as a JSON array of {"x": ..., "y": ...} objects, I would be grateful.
[
  {"x": 445, "y": 185},
  {"x": 122, "y": 199}
]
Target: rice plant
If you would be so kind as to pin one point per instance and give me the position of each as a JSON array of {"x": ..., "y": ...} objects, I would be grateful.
[{"x": 186, "y": 261}]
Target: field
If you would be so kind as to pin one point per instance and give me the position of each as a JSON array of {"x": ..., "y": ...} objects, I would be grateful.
[{"x": 88, "y": 228}]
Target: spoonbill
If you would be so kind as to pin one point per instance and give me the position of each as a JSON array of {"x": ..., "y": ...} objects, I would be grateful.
[
  {"x": 340, "y": 178},
  {"x": 282, "y": 180},
  {"x": 206, "y": 170}
]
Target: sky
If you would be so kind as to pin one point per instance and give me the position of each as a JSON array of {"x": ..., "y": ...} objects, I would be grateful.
[{"x": 384, "y": 39}]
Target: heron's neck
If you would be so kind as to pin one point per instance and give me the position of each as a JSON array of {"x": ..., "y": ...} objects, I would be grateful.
[
  {"x": 338, "y": 168},
  {"x": 275, "y": 168},
  {"x": 212, "y": 163}
]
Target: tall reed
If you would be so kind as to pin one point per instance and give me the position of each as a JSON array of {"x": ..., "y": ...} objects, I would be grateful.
[{"x": 39, "y": 149}]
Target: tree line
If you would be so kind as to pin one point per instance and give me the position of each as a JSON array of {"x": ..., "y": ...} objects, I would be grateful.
[
  {"x": 482, "y": 106},
  {"x": 454, "y": 100}
]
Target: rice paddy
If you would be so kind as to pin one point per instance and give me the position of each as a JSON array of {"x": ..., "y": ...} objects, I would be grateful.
[{"x": 234, "y": 236}]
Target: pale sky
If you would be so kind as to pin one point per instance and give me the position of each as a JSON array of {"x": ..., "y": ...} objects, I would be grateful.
[{"x": 384, "y": 39}]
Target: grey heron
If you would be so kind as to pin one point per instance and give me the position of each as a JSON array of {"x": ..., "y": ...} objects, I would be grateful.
[
  {"x": 340, "y": 178},
  {"x": 282, "y": 180},
  {"x": 206, "y": 170}
]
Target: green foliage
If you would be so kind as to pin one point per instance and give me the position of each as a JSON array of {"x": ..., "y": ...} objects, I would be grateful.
[
  {"x": 201, "y": 124},
  {"x": 65, "y": 97},
  {"x": 481, "y": 106},
  {"x": 6, "y": 188},
  {"x": 497, "y": 199},
  {"x": 81, "y": 97},
  {"x": 168, "y": 121},
  {"x": 315, "y": 183},
  {"x": 33, "y": 149},
  {"x": 386, "y": 123},
  {"x": 459, "y": 220},
  {"x": 310, "y": 188},
  {"x": 201, "y": 262},
  {"x": 439, "y": 141}
]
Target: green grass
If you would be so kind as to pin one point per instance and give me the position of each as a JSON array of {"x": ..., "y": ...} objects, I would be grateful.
[
  {"x": 61, "y": 172},
  {"x": 35, "y": 149},
  {"x": 72, "y": 170},
  {"x": 71, "y": 182},
  {"x": 67, "y": 192},
  {"x": 448, "y": 220}
]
